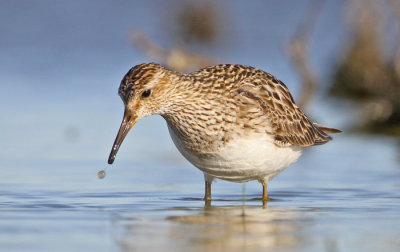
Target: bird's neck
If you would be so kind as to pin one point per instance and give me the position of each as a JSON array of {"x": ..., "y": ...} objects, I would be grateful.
[{"x": 181, "y": 95}]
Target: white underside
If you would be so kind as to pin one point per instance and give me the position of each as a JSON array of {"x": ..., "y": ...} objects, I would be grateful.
[{"x": 254, "y": 157}]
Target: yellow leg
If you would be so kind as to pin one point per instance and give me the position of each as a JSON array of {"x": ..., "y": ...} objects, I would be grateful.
[
  {"x": 265, "y": 195},
  {"x": 207, "y": 195}
]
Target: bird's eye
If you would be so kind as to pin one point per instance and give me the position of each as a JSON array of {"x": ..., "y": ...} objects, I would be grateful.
[{"x": 146, "y": 93}]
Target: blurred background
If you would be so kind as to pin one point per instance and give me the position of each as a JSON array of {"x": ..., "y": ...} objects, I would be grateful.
[{"x": 60, "y": 68}]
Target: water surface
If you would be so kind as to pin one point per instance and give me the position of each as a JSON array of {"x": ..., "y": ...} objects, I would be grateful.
[{"x": 346, "y": 204}]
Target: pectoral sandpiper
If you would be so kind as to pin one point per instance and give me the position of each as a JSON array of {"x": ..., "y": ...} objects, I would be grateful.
[{"x": 232, "y": 122}]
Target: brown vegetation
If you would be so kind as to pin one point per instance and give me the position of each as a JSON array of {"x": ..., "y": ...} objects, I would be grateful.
[{"x": 365, "y": 75}]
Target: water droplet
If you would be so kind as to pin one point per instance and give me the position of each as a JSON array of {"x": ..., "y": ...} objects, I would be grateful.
[{"x": 101, "y": 174}]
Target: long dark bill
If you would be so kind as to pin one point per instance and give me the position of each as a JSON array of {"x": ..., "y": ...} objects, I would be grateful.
[{"x": 127, "y": 123}]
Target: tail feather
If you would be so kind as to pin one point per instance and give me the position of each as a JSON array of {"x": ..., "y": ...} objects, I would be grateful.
[
  {"x": 322, "y": 133},
  {"x": 327, "y": 129}
]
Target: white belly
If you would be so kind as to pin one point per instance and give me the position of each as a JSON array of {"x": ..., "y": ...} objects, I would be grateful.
[{"x": 254, "y": 157}]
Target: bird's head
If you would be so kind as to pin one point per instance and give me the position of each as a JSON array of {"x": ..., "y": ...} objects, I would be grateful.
[{"x": 144, "y": 92}]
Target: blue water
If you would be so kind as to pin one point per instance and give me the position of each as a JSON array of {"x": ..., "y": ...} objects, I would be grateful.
[
  {"x": 60, "y": 68},
  {"x": 345, "y": 204}
]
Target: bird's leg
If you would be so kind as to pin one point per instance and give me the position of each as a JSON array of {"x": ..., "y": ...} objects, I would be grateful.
[
  {"x": 208, "y": 180},
  {"x": 207, "y": 195},
  {"x": 265, "y": 196}
]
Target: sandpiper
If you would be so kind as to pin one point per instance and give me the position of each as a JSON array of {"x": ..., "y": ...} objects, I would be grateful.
[{"x": 233, "y": 122}]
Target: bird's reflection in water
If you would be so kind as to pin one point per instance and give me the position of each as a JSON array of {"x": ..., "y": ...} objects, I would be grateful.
[{"x": 230, "y": 228}]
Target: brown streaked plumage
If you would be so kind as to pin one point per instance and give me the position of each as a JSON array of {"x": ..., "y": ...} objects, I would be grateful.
[{"x": 233, "y": 122}]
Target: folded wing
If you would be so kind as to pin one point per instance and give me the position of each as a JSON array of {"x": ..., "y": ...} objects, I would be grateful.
[{"x": 289, "y": 125}]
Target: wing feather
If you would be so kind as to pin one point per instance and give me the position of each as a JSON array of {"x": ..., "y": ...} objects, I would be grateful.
[{"x": 289, "y": 124}]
